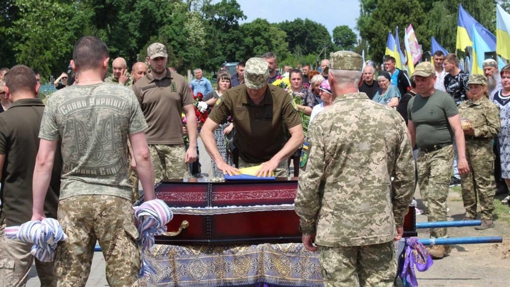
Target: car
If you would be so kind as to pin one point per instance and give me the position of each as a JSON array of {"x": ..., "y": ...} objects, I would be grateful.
[{"x": 230, "y": 67}]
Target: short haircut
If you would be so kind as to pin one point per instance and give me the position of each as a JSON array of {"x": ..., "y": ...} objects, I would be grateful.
[
  {"x": 36, "y": 72},
  {"x": 89, "y": 53},
  {"x": 390, "y": 58},
  {"x": 439, "y": 53},
  {"x": 4, "y": 70},
  {"x": 241, "y": 64},
  {"x": 269, "y": 55},
  {"x": 196, "y": 70},
  {"x": 307, "y": 65},
  {"x": 345, "y": 77},
  {"x": 371, "y": 67},
  {"x": 20, "y": 78},
  {"x": 317, "y": 79},
  {"x": 452, "y": 58},
  {"x": 295, "y": 71},
  {"x": 413, "y": 82},
  {"x": 505, "y": 70}
]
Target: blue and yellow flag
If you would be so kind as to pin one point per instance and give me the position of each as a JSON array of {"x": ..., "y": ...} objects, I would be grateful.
[
  {"x": 502, "y": 32},
  {"x": 437, "y": 47},
  {"x": 398, "y": 52},
  {"x": 465, "y": 29},
  {"x": 390, "y": 46}
]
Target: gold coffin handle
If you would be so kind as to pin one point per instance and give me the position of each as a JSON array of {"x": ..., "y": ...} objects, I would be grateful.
[{"x": 184, "y": 225}]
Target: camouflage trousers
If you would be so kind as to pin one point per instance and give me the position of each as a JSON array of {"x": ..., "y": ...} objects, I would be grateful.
[
  {"x": 16, "y": 261},
  {"x": 133, "y": 179},
  {"x": 169, "y": 162},
  {"x": 434, "y": 173},
  {"x": 90, "y": 218},
  {"x": 477, "y": 183},
  {"x": 370, "y": 265},
  {"x": 281, "y": 171}
]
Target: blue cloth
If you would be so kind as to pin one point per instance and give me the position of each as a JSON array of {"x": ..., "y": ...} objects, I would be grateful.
[
  {"x": 391, "y": 93},
  {"x": 248, "y": 177},
  {"x": 44, "y": 234},
  {"x": 151, "y": 219},
  {"x": 201, "y": 86}
]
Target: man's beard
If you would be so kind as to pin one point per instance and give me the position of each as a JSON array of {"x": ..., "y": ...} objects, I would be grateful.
[{"x": 491, "y": 82}]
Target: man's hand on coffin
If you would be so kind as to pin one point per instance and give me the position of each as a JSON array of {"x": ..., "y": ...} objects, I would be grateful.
[
  {"x": 308, "y": 242},
  {"x": 191, "y": 154},
  {"x": 267, "y": 168},
  {"x": 400, "y": 233},
  {"x": 227, "y": 169}
]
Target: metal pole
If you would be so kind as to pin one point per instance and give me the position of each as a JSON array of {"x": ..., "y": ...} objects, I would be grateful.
[
  {"x": 461, "y": 240},
  {"x": 443, "y": 224}
]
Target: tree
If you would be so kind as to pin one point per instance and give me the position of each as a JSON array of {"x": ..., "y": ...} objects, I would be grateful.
[
  {"x": 306, "y": 36},
  {"x": 344, "y": 37},
  {"x": 261, "y": 37}
]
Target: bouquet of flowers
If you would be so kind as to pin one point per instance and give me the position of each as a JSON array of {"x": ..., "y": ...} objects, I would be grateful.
[
  {"x": 200, "y": 113},
  {"x": 283, "y": 83},
  {"x": 297, "y": 99}
]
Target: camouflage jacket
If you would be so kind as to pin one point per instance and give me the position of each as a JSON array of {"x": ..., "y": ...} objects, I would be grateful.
[
  {"x": 345, "y": 192},
  {"x": 483, "y": 116},
  {"x": 111, "y": 79}
]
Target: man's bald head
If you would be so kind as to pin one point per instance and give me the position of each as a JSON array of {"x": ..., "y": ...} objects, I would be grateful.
[
  {"x": 138, "y": 71},
  {"x": 119, "y": 65}
]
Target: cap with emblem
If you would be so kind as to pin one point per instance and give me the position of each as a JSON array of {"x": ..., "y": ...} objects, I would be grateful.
[
  {"x": 490, "y": 63},
  {"x": 477, "y": 80},
  {"x": 156, "y": 50},
  {"x": 424, "y": 69},
  {"x": 256, "y": 73},
  {"x": 345, "y": 60}
]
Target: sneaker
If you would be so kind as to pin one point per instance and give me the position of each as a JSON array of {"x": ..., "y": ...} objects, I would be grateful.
[
  {"x": 454, "y": 182},
  {"x": 438, "y": 251},
  {"x": 505, "y": 200},
  {"x": 486, "y": 224}
]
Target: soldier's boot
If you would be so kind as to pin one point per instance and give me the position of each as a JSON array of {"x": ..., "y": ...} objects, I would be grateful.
[
  {"x": 438, "y": 251},
  {"x": 486, "y": 224}
]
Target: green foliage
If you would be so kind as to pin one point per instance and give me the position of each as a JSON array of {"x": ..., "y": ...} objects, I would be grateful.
[
  {"x": 259, "y": 37},
  {"x": 306, "y": 36},
  {"x": 343, "y": 37}
]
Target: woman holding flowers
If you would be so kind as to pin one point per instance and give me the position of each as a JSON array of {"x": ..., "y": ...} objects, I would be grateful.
[{"x": 223, "y": 132}]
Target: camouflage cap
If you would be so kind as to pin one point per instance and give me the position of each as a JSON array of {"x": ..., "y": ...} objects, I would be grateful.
[
  {"x": 477, "y": 80},
  {"x": 345, "y": 60},
  {"x": 490, "y": 63},
  {"x": 424, "y": 69},
  {"x": 156, "y": 50},
  {"x": 256, "y": 72}
]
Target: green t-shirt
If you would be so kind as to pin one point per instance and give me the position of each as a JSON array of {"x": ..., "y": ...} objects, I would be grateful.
[
  {"x": 430, "y": 118},
  {"x": 94, "y": 122}
]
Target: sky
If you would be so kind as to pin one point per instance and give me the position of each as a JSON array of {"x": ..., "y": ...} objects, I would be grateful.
[{"x": 329, "y": 13}]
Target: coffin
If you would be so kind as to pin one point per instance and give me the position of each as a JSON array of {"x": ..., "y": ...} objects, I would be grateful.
[{"x": 236, "y": 212}]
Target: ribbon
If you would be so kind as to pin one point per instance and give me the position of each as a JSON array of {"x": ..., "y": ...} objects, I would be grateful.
[{"x": 415, "y": 256}]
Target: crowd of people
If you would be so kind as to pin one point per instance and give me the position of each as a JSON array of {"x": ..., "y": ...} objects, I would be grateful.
[{"x": 348, "y": 132}]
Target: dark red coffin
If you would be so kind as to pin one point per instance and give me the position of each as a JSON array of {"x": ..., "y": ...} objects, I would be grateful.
[{"x": 235, "y": 212}]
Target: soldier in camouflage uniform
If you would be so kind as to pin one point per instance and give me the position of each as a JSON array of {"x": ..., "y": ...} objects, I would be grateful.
[
  {"x": 346, "y": 198},
  {"x": 433, "y": 122},
  {"x": 94, "y": 121},
  {"x": 481, "y": 123},
  {"x": 120, "y": 74}
]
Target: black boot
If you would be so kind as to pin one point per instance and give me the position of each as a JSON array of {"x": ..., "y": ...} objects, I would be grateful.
[{"x": 502, "y": 188}]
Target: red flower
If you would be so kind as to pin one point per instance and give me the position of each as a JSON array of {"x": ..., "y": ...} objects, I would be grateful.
[{"x": 200, "y": 96}]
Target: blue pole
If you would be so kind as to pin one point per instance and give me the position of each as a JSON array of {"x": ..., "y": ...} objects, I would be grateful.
[
  {"x": 442, "y": 224},
  {"x": 461, "y": 240}
]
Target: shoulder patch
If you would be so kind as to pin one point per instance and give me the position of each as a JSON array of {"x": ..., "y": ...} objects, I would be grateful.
[
  {"x": 218, "y": 102},
  {"x": 172, "y": 88},
  {"x": 305, "y": 151}
]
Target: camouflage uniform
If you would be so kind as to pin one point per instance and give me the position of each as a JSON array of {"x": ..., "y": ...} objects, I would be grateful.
[
  {"x": 483, "y": 116},
  {"x": 162, "y": 154},
  {"x": 111, "y": 79},
  {"x": 345, "y": 192},
  {"x": 94, "y": 122}
]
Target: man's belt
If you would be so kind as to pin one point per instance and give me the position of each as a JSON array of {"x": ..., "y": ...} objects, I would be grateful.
[
  {"x": 431, "y": 148},
  {"x": 468, "y": 137}
]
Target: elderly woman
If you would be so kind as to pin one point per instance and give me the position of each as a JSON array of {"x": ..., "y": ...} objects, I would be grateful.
[
  {"x": 315, "y": 82},
  {"x": 224, "y": 130},
  {"x": 502, "y": 100},
  {"x": 481, "y": 123},
  {"x": 326, "y": 97},
  {"x": 387, "y": 94}
]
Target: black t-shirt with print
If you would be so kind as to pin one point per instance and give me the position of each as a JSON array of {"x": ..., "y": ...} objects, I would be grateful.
[{"x": 457, "y": 86}]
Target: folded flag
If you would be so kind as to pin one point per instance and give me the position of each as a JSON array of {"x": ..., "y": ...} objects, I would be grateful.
[
  {"x": 44, "y": 234},
  {"x": 151, "y": 220},
  {"x": 249, "y": 173}
]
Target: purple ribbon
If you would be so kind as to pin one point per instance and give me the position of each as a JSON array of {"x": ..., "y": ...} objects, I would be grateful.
[{"x": 416, "y": 255}]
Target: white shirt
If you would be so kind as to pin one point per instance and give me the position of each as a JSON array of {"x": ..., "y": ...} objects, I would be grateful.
[
  {"x": 439, "y": 85},
  {"x": 316, "y": 109}
]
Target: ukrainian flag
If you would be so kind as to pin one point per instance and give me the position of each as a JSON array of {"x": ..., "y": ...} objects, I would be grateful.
[
  {"x": 464, "y": 29},
  {"x": 398, "y": 52},
  {"x": 502, "y": 33},
  {"x": 437, "y": 47},
  {"x": 390, "y": 46}
]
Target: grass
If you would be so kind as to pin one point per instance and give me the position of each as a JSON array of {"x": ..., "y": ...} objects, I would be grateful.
[{"x": 501, "y": 211}]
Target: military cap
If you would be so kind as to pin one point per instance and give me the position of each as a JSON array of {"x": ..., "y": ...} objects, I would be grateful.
[
  {"x": 424, "y": 69},
  {"x": 345, "y": 60},
  {"x": 477, "y": 80},
  {"x": 256, "y": 73},
  {"x": 156, "y": 50},
  {"x": 490, "y": 63}
]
